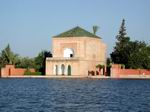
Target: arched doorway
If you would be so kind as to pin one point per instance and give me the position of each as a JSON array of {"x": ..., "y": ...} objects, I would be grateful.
[
  {"x": 56, "y": 69},
  {"x": 68, "y": 53},
  {"x": 63, "y": 69},
  {"x": 69, "y": 70}
]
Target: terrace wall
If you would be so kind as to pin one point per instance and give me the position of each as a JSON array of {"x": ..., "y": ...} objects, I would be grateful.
[
  {"x": 10, "y": 70},
  {"x": 117, "y": 71}
]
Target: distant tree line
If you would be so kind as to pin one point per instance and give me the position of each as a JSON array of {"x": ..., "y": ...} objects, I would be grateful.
[
  {"x": 132, "y": 54},
  {"x": 7, "y": 56}
]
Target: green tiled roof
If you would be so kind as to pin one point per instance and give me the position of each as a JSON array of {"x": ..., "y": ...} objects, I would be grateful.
[{"x": 77, "y": 32}]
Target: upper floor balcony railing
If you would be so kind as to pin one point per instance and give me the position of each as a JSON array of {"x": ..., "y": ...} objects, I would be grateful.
[{"x": 63, "y": 59}]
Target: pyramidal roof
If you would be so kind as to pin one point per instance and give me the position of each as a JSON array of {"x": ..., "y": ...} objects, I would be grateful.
[{"x": 77, "y": 32}]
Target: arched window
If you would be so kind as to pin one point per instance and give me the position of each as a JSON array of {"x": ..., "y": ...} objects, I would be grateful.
[
  {"x": 56, "y": 69},
  {"x": 63, "y": 69},
  {"x": 69, "y": 70},
  {"x": 68, "y": 53}
]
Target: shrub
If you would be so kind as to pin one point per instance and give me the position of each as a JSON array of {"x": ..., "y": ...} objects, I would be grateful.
[{"x": 28, "y": 72}]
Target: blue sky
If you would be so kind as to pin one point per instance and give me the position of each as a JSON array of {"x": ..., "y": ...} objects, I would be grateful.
[{"x": 28, "y": 25}]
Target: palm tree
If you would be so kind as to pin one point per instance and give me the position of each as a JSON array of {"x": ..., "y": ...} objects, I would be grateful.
[
  {"x": 99, "y": 66},
  {"x": 8, "y": 56},
  {"x": 95, "y": 29}
]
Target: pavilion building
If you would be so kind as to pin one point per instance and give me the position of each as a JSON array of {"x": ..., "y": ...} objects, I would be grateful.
[{"x": 75, "y": 53}]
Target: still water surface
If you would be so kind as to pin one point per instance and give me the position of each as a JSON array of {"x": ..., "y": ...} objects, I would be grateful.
[{"x": 74, "y": 95}]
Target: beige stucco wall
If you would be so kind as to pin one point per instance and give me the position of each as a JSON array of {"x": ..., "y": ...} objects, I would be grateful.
[
  {"x": 95, "y": 50},
  {"x": 88, "y": 53},
  {"x": 50, "y": 63},
  {"x": 59, "y": 44}
]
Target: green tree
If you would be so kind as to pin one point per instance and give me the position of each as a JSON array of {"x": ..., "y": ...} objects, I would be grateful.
[
  {"x": 132, "y": 54},
  {"x": 25, "y": 62},
  {"x": 1, "y": 61},
  {"x": 146, "y": 57},
  {"x": 121, "y": 37},
  {"x": 95, "y": 29},
  {"x": 40, "y": 60},
  {"x": 120, "y": 55},
  {"x": 100, "y": 67},
  {"x": 7, "y": 56},
  {"x": 109, "y": 62},
  {"x": 108, "y": 67},
  {"x": 139, "y": 55}
]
